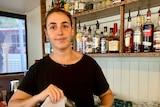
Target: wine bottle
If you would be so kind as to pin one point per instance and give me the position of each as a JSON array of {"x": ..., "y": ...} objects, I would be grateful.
[
  {"x": 129, "y": 46},
  {"x": 148, "y": 33}
]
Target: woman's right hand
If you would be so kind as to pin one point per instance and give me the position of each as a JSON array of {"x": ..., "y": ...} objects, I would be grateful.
[{"x": 55, "y": 93}]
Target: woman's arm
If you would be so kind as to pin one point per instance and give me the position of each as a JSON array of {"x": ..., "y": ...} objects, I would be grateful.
[
  {"x": 107, "y": 98},
  {"x": 23, "y": 99}
]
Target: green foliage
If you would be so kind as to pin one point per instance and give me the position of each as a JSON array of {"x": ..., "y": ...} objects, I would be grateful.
[{"x": 6, "y": 22}]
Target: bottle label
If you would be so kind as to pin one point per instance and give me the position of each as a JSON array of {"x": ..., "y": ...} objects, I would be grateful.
[
  {"x": 79, "y": 42},
  {"x": 146, "y": 43},
  {"x": 137, "y": 37},
  {"x": 127, "y": 39},
  {"x": 103, "y": 45},
  {"x": 89, "y": 47},
  {"x": 114, "y": 45},
  {"x": 156, "y": 40},
  {"x": 79, "y": 46},
  {"x": 147, "y": 31}
]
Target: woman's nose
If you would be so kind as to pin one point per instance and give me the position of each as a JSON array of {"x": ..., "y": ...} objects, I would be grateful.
[{"x": 60, "y": 31}]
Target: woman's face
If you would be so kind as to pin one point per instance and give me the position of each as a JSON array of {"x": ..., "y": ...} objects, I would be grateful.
[{"x": 59, "y": 30}]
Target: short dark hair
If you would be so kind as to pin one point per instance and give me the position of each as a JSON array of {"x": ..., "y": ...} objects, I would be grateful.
[{"x": 58, "y": 10}]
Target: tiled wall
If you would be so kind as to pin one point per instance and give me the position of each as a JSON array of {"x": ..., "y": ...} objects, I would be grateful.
[{"x": 133, "y": 78}]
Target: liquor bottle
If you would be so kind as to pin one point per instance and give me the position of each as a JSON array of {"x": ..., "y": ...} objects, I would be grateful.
[
  {"x": 156, "y": 39},
  {"x": 62, "y": 4},
  {"x": 103, "y": 43},
  {"x": 137, "y": 39},
  {"x": 106, "y": 35},
  {"x": 66, "y": 5},
  {"x": 89, "y": 41},
  {"x": 79, "y": 39},
  {"x": 148, "y": 33},
  {"x": 96, "y": 39},
  {"x": 128, "y": 38},
  {"x": 114, "y": 40},
  {"x": 84, "y": 39},
  {"x": 81, "y": 5},
  {"x": 76, "y": 8}
]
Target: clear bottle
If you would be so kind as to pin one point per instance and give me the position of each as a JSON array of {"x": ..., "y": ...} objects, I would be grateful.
[
  {"x": 81, "y": 5},
  {"x": 148, "y": 33},
  {"x": 137, "y": 39},
  {"x": 76, "y": 6},
  {"x": 84, "y": 39},
  {"x": 128, "y": 37},
  {"x": 106, "y": 35},
  {"x": 96, "y": 39},
  {"x": 156, "y": 39},
  {"x": 114, "y": 40},
  {"x": 89, "y": 41},
  {"x": 103, "y": 44},
  {"x": 79, "y": 39}
]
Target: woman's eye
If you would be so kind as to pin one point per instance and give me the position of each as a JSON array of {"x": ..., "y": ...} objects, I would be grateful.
[
  {"x": 65, "y": 26},
  {"x": 52, "y": 27}
]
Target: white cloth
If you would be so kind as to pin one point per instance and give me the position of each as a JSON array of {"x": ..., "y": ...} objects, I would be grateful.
[{"x": 48, "y": 103}]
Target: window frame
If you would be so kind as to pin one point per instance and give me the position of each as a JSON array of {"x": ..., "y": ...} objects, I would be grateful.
[{"x": 18, "y": 16}]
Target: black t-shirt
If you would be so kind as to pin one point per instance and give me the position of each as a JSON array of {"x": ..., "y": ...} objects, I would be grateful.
[{"x": 78, "y": 81}]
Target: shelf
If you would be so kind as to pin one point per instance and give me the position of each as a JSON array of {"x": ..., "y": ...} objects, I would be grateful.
[
  {"x": 104, "y": 8},
  {"x": 107, "y": 11},
  {"x": 12, "y": 75},
  {"x": 142, "y": 54}
]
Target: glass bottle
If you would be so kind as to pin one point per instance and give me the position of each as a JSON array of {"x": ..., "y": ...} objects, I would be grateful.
[
  {"x": 81, "y": 5},
  {"x": 89, "y": 41},
  {"x": 103, "y": 43},
  {"x": 76, "y": 7},
  {"x": 128, "y": 38},
  {"x": 148, "y": 33},
  {"x": 79, "y": 39},
  {"x": 114, "y": 40},
  {"x": 84, "y": 39},
  {"x": 62, "y": 3},
  {"x": 137, "y": 39},
  {"x": 96, "y": 39},
  {"x": 156, "y": 39},
  {"x": 106, "y": 35}
]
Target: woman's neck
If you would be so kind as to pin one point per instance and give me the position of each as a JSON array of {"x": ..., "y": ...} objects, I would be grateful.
[{"x": 68, "y": 57}]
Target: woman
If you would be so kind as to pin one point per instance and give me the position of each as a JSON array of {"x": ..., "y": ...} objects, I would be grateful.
[{"x": 64, "y": 72}]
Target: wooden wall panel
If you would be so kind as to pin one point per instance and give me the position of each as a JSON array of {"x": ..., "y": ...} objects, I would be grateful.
[{"x": 133, "y": 78}]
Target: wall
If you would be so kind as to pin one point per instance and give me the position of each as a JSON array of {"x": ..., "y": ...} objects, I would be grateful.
[
  {"x": 134, "y": 78},
  {"x": 34, "y": 35}
]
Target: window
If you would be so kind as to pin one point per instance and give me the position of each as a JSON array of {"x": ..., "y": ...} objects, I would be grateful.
[{"x": 13, "y": 39}]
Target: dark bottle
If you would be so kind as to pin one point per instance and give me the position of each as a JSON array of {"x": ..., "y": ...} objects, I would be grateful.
[
  {"x": 128, "y": 38},
  {"x": 148, "y": 33}
]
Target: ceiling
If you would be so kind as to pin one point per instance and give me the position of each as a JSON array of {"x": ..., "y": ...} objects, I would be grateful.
[{"x": 18, "y": 6}]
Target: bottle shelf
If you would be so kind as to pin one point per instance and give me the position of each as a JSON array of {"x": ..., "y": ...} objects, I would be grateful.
[
  {"x": 141, "y": 54},
  {"x": 104, "y": 8}
]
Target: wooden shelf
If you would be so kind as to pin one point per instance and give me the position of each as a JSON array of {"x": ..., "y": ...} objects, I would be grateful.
[
  {"x": 12, "y": 75},
  {"x": 104, "y": 8},
  {"x": 107, "y": 11},
  {"x": 142, "y": 54}
]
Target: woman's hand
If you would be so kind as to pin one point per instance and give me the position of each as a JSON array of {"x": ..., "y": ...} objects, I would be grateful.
[{"x": 55, "y": 93}]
